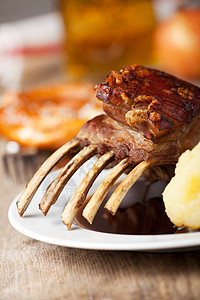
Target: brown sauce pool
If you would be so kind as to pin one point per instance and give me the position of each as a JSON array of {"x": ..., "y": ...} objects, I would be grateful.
[{"x": 142, "y": 212}]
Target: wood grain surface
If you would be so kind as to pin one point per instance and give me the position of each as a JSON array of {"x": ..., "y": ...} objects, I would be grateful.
[{"x": 34, "y": 270}]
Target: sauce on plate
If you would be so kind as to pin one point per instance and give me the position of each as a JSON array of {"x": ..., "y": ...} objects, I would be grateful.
[{"x": 142, "y": 212}]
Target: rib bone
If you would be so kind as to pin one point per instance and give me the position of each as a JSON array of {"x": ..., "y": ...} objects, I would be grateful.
[
  {"x": 93, "y": 205},
  {"x": 56, "y": 187},
  {"x": 42, "y": 172},
  {"x": 118, "y": 195},
  {"x": 80, "y": 194}
]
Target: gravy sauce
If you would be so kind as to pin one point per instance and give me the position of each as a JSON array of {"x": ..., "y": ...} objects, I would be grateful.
[{"x": 142, "y": 212}]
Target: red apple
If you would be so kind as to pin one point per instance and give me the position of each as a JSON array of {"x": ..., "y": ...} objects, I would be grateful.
[{"x": 177, "y": 43}]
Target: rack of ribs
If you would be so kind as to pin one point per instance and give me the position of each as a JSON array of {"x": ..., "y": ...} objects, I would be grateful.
[{"x": 150, "y": 119}]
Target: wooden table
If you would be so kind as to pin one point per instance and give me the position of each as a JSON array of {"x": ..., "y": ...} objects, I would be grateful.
[{"x": 34, "y": 270}]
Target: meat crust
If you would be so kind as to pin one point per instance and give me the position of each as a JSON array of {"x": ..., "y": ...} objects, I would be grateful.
[{"x": 149, "y": 101}]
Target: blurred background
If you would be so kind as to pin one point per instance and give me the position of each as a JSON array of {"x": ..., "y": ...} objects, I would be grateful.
[
  {"x": 53, "y": 52},
  {"x": 86, "y": 39}
]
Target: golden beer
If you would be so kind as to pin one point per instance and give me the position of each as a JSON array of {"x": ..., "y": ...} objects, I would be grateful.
[{"x": 106, "y": 35}]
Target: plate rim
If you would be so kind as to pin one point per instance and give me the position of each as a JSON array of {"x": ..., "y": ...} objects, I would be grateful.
[
  {"x": 100, "y": 240},
  {"x": 158, "y": 242}
]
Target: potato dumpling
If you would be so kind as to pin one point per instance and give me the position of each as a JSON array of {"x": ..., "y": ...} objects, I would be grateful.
[{"x": 182, "y": 195}]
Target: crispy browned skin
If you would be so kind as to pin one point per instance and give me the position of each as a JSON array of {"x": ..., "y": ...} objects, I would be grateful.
[{"x": 149, "y": 100}]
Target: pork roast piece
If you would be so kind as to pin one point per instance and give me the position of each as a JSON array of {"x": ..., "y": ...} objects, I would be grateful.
[{"x": 161, "y": 106}]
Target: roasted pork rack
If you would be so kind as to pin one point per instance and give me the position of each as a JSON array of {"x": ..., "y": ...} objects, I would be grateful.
[{"x": 150, "y": 119}]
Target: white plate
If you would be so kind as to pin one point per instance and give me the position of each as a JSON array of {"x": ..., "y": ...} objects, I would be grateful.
[{"x": 50, "y": 229}]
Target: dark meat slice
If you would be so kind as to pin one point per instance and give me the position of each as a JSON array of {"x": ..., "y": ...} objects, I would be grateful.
[{"x": 107, "y": 134}]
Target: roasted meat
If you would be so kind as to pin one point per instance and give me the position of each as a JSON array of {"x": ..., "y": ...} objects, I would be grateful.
[
  {"x": 151, "y": 118},
  {"x": 160, "y": 106}
]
